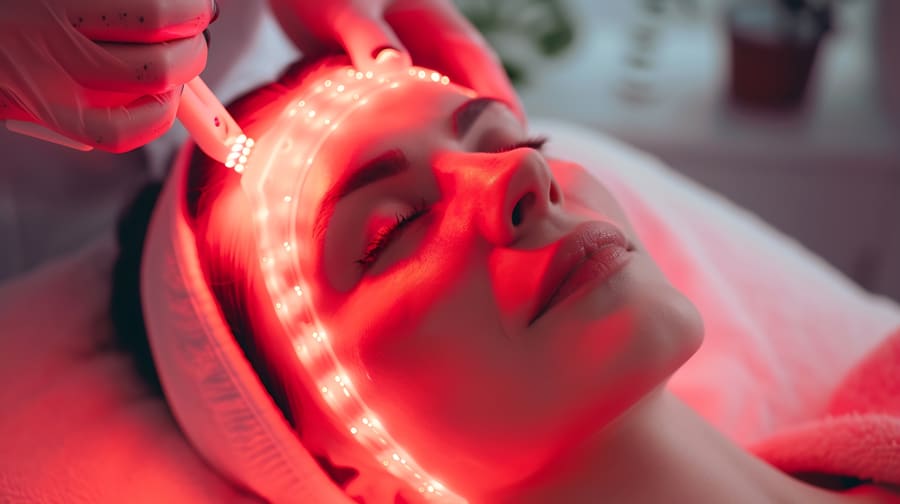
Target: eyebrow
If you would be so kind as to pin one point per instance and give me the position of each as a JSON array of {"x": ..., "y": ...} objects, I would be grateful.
[
  {"x": 466, "y": 114},
  {"x": 392, "y": 163},
  {"x": 384, "y": 166}
]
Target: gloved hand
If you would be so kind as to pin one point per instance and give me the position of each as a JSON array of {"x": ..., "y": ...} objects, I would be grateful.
[
  {"x": 107, "y": 73},
  {"x": 433, "y": 32}
]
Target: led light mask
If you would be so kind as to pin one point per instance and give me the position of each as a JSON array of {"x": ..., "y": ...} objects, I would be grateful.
[{"x": 274, "y": 177}]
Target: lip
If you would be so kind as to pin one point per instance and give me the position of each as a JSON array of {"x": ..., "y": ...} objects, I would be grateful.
[{"x": 592, "y": 253}]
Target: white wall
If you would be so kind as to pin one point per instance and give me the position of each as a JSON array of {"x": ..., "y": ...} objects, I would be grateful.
[{"x": 829, "y": 175}]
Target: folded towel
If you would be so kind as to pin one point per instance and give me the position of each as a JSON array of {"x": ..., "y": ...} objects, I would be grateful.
[{"x": 859, "y": 437}]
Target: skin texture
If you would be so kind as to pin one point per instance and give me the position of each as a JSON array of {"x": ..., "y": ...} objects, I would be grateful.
[{"x": 436, "y": 331}]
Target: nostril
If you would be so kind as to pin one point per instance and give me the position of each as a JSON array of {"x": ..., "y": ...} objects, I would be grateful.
[
  {"x": 554, "y": 194},
  {"x": 522, "y": 206}
]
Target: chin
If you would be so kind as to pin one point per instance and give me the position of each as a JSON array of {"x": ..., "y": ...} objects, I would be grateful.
[
  {"x": 673, "y": 328},
  {"x": 665, "y": 327},
  {"x": 629, "y": 338},
  {"x": 669, "y": 326},
  {"x": 659, "y": 333}
]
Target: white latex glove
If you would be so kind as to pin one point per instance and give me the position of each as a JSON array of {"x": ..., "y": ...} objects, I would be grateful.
[
  {"x": 432, "y": 32},
  {"x": 107, "y": 73}
]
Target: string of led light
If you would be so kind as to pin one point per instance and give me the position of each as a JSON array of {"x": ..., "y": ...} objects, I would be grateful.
[{"x": 273, "y": 178}]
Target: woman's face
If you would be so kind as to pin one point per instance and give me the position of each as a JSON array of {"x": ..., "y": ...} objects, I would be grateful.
[{"x": 490, "y": 312}]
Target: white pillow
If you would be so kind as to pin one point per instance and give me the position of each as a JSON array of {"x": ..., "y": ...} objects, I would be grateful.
[{"x": 782, "y": 326}]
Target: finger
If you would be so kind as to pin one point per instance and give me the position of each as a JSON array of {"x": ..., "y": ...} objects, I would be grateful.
[
  {"x": 123, "y": 128},
  {"x": 140, "y": 21},
  {"x": 364, "y": 37},
  {"x": 139, "y": 68},
  {"x": 311, "y": 38},
  {"x": 439, "y": 37}
]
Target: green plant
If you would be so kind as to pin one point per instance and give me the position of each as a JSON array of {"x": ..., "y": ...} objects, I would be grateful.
[{"x": 544, "y": 24}]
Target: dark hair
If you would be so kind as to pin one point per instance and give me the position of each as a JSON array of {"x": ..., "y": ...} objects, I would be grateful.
[
  {"x": 125, "y": 302},
  {"x": 206, "y": 180}
]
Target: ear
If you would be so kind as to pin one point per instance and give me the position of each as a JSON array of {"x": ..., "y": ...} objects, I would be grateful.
[
  {"x": 377, "y": 486},
  {"x": 350, "y": 465},
  {"x": 406, "y": 496}
]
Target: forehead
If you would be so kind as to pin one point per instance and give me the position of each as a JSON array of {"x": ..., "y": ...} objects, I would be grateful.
[
  {"x": 392, "y": 118},
  {"x": 330, "y": 123},
  {"x": 395, "y": 118}
]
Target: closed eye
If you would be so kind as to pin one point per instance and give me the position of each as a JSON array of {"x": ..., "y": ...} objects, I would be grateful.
[{"x": 387, "y": 234}]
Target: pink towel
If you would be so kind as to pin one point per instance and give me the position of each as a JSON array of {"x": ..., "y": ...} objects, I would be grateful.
[{"x": 859, "y": 436}]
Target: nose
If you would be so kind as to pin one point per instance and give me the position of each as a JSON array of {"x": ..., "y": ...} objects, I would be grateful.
[{"x": 511, "y": 191}]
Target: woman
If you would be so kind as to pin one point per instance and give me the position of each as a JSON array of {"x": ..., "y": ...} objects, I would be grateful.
[{"x": 502, "y": 331}]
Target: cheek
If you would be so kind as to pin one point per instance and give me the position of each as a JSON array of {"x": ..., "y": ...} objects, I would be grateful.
[
  {"x": 432, "y": 360},
  {"x": 434, "y": 363},
  {"x": 581, "y": 189},
  {"x": 418, "y": 326}
]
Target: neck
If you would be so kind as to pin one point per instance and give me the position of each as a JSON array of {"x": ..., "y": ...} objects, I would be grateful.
[{"x": 662, "y": 451}]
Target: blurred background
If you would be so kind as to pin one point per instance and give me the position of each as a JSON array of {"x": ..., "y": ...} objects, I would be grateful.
[{"x": 790, "y": 108}]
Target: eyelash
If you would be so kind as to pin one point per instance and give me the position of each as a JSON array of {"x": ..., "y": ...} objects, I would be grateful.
[
  {"x": 536, "y": 143},
  {"x": 387, "y": 234}
]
